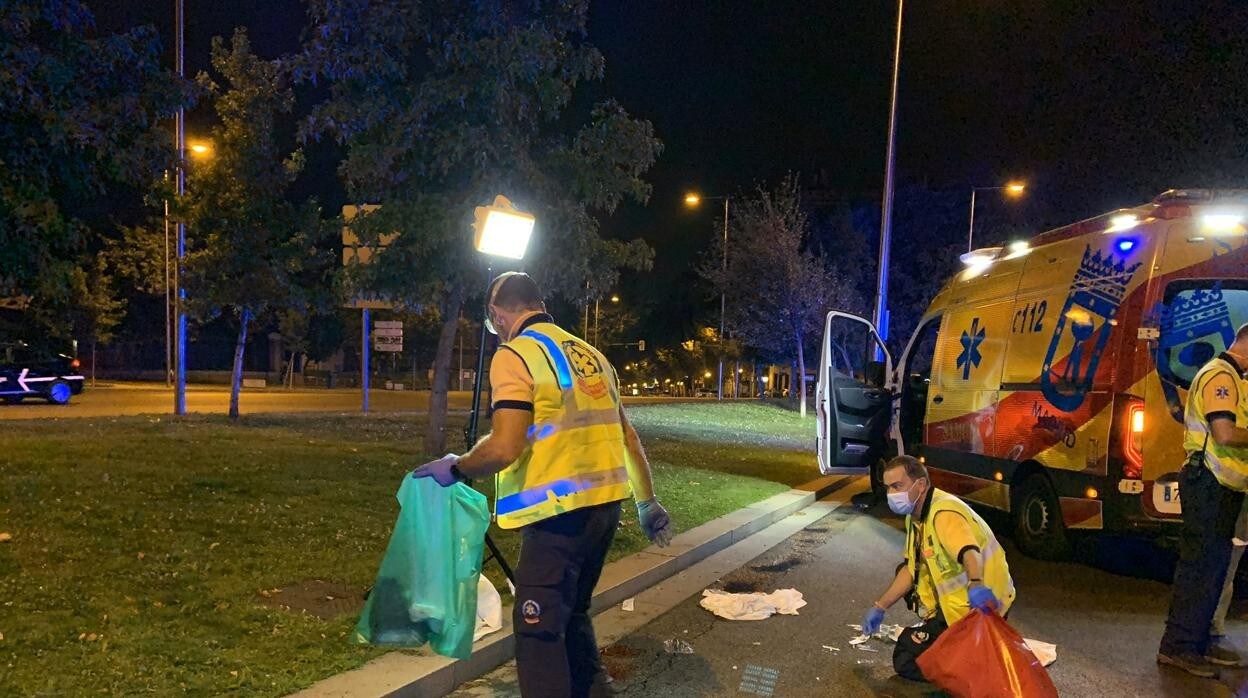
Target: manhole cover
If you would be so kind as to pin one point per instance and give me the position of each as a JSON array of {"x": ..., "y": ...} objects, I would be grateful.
[{"x": 316, "y": 597}]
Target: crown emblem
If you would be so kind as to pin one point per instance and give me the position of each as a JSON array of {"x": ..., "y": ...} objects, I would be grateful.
[
  {"x": 1103, "y": 277},
  {"x": 1195, "y": 314}
]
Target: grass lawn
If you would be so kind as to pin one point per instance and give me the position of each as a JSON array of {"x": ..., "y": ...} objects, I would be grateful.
[{"x": 141, "y": 547}]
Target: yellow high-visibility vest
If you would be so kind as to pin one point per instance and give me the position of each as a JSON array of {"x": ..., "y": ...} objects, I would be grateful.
[
  {"x": 1227, "y": 463},
  {"x": 576, "y": 453},
  {"x": 941, "y": 581}
]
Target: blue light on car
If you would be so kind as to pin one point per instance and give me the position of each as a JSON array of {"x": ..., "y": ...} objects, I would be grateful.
[{"x": 1125, "y": 244}]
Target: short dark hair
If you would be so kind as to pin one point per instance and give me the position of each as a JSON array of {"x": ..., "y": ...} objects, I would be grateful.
[
  {"x": 515, "y": 290},
  {"x": 1242, "y": 334},
  {"x": 914, "y": 467}
]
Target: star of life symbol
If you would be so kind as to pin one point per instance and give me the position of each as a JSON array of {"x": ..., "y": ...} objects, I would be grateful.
[
  {"x": 970, "y": 355},
  {"x": 1223, "y": 392}
]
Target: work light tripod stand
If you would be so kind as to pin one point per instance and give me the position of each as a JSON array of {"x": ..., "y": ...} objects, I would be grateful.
[{"x": 470, "y": 433}]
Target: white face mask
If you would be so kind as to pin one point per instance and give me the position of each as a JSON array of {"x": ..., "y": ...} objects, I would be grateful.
[{"x": 900, "y": 502}]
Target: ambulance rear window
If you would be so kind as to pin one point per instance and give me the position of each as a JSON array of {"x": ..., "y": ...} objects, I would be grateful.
[{"x": 1198, "y": 321}]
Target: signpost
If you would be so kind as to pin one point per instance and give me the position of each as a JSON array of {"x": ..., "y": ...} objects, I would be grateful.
[
  {"x": 355, "y": 251},
  {"x": 388, "y": 335}
]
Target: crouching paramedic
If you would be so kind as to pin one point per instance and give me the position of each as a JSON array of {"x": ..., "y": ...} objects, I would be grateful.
[
  {"x": 565, "y": 457},
  {"x": 953, "y": 563}
]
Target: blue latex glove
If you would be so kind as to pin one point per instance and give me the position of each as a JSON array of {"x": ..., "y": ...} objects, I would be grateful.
[
  {"x": 981, "y": 597},
  {"x": 439, "y": 470},
  {"x": 871, "y": 621},
  {"x": 655, "y": 521}
]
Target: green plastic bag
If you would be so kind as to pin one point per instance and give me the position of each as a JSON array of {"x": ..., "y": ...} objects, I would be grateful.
[{"x": 426, "y": 589}]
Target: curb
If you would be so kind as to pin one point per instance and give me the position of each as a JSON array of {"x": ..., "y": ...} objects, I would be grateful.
[{"x": 401, "y": 674}]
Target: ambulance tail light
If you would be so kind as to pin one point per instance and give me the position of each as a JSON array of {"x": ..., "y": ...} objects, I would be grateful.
[
  {"x": 1133, "y": 443},
  {"x": 75, "y": 363}
]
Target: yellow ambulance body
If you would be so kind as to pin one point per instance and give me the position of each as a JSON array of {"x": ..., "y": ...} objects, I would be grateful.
[{"x": 1047, "y": 379}]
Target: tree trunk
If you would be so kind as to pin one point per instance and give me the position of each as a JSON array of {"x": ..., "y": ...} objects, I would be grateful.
[
  {"x": 801, "y": 371},
  {"x": 435, "y": 437},
  {"x": 236, "y": 380}
]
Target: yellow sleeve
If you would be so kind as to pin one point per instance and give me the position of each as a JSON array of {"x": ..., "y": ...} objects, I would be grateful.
[
  {"x": 954, "y": 533},
  {"x": 511, "y": 385},
  {"x": 1220, "y": 396}
]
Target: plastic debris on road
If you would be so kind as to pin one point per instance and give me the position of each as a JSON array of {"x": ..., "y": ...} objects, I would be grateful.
[
  {"x": 627, "y": 605},
  {"x": 830, "y": 648},
  {"x": 752, "y": 606},
  {"x": 865, "y": 648},
  {"x": 859, "y": 639},
  {"x": 1046, "y": 652},
  {"x": 759, "y": 680},
  {"x": 676, "y": 646}
]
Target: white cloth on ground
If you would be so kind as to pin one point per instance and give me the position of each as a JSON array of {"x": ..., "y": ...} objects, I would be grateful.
[
  {"x": 489, "y": 609},
  {"x": 752, "y": 606}
]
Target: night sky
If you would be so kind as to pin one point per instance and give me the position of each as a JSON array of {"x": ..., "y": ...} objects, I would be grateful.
[{"x": 1096, "y": 104}]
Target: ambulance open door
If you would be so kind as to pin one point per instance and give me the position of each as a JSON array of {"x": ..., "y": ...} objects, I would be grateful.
[{"x": 854, "y": 405}]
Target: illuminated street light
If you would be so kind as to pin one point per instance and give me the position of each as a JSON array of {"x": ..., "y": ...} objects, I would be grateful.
[
  {"x": 1012, "y": 189},
  {"x": 501, "y": 230},
  {"x": 692, "y": 200},
  {"x": 615, "y": 298},
  {"x": 200, "y": 149}
]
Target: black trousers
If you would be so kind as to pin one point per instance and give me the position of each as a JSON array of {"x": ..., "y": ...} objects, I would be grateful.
[
  {"x": 561, "y": 559},
  {"x": 913, "y": 642},
  {"x": 1209, "y": 514}
]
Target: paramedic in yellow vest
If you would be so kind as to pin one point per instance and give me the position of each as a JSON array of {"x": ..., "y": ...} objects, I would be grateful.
[
  {"x": 565, "y": 457},
  {"x": 952, "y": 564},
  {"x": 1211, "y": 492}
]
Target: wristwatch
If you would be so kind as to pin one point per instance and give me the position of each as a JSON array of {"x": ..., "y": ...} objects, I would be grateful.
[{"x": 458, "y": 474}]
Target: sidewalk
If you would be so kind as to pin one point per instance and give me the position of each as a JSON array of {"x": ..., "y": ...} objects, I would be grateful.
[{"x": 402, "y": 674}]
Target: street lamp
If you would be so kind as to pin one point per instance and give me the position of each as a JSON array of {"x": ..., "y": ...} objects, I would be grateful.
[
  {"x": 692, "y": 200},
  {"x": 886, "y": 212},
  {"x": 614, "y": 299},
  {"x": 201, "y": 150},
  {"x": 1011, "y": 189}
]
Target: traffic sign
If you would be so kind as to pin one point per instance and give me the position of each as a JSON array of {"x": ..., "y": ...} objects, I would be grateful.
[
  {"x": 384, "y": 343},
  {"x": 388, "y": 332},
  {"x": 388, "y": 324}
]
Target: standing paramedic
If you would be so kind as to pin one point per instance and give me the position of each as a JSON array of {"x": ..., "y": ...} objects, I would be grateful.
[
  {"x": 565, "y": 457},
  {"x": 952, "y": 562},
  {"x": 1212, "y": 485}
]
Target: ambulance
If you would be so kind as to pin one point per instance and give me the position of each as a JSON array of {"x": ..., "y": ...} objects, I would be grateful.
[{"x": 1047, "y": 378}]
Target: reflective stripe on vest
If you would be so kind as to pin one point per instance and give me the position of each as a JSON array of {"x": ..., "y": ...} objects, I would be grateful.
[
  {"x": 562, "y": 373},
  {"x": 559, "y": 488},
  {"x": 1228, "y": 464}
]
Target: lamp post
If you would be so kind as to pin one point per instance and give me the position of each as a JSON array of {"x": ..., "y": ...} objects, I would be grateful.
[
  {"x": 693, "y": 200},
  {"x": 886, "y": 217},
  {"x": 1013, "y": 189},
  {"x": 179, "y": 298},
  {"x": 615, "y": 298}
]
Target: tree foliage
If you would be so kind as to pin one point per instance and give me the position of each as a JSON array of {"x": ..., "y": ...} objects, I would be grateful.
[
  {"x": 250, "y": 244},
  {"x": 777, "y": 288},
  {"x": 442, "y": 106},
  {"x": 78, "y": 122}
]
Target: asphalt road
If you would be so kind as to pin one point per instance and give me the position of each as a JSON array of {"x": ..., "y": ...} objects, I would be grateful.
[
  {"x": 137, "y": 398},
  {"x": 1106, "y": 625}
]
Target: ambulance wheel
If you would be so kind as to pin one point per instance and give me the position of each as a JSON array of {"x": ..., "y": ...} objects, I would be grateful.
[
  {"x": 59, "y": 393},
  {"x": 1038, "y": 525}
]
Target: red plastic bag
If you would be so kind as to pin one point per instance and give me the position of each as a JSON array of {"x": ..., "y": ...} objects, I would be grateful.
[{"x": 981, "y": 656}]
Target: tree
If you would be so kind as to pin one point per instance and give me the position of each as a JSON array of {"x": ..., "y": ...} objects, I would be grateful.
[
  {"x": 777, "y": 289},
  {"x": 249, "y": 243},
  {"x": 77, "y": 125},
  {"x": 444, "y": 106}
]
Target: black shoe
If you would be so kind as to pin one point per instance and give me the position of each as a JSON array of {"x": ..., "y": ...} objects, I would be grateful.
[
  {"x": 1191, "y": 663},
  {"x": 1222, "y": 656}
]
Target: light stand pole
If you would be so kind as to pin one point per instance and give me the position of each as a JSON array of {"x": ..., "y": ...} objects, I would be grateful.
[
  {"x": 179, "y": 389},
  {"x": 499, "y": 231},
  {"x": 886, "y": 217}
]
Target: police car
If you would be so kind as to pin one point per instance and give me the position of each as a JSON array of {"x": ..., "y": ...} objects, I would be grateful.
[{"x": 29, "y": 372}]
